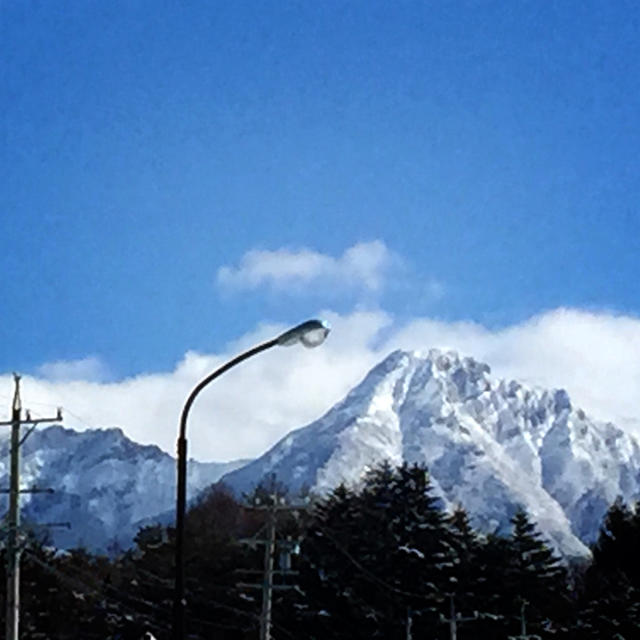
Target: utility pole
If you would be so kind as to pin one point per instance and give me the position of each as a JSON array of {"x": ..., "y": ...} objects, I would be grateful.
[
  {"x": 268, "y": 571},
  {"x": 455, "y": 619},
  {"x": 13, "y": 520},
  {"x": 523, "y": 626},
  {"x": 267, "y": 581},
  {"x": 409, "y": 636}
]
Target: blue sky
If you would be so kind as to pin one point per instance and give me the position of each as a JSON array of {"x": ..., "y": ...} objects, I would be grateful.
[{"x": 176, "y": 175}]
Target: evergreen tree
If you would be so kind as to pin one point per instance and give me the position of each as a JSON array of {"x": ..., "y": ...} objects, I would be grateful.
[
  {"x": 328, "y": 567},
  {"x": 378, "y": 552},
  {"x": 468, "y": 577},
  {"x": 611, "y": 599},
  {"x": 422, "y": 554},
  {"x": 534, "y": 576},
  {"x": 617, "y": 544},
  {"x": 494, "y": 597}
]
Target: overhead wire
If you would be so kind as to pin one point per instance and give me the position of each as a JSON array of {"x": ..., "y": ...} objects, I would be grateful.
[
  {"x": 125, "y": 599},
  {"x": 219, "y": 605},
  {"x": 366, "y": 572},
  {"x": 74, "y": 581}
]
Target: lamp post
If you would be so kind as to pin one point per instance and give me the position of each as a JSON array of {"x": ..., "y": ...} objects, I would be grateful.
[{"x": 311, "y": 333}]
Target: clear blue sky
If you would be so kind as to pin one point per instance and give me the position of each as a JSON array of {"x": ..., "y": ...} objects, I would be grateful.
[{"x": 493, "y": 147}]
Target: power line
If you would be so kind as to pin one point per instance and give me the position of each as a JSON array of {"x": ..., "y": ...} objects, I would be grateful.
[
  {"x": 367, "y": 573},
  {"x": 195, "y": 599}
]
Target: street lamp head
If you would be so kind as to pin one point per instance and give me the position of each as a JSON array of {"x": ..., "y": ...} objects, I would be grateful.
[{"x": 311, "y": 333}]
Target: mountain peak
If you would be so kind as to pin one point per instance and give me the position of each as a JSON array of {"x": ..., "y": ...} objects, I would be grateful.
[{"x": 492, "y": 445}]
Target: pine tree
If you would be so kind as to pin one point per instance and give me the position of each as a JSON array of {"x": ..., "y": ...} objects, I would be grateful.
[
  {"x": 534, "y": 575},
  {"x": 495, "y": 597},
  {"x": 616, "y": 547},
  {"x": 611, "y": 599},
  {"x": 468, "y": 580},
  {"x": 378, "y": 552},
  {"x": 422, "y": 552},
  {"x": 328, "y": 566}
]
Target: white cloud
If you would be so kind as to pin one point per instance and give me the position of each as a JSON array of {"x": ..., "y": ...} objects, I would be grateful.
[
  {"x": 90, "y": 368},
  {"x": 364, "y": 266},
  {"x": 241, "y": 414},
  {"x": 595, "y": 356}
]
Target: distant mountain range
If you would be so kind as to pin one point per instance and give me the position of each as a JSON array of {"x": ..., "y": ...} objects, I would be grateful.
[
  {"x": 105, "y": 485},
  {"x": 490, "y": 445}
]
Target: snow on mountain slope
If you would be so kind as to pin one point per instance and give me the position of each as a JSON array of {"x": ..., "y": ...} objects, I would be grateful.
[
  {"x": 104, "y": 483},
  {"x": 491, "y": 445}
]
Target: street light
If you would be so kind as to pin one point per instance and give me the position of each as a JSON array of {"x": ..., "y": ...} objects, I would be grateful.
[{"x": 311, "y": 333}]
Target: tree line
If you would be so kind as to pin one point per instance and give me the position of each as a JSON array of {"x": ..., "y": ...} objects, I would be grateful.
[{"x": 383, "y": 560}]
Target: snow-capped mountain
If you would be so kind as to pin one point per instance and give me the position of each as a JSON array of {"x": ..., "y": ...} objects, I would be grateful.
[
  {"x": 490, "y": 445},
  {"x": 104, "y": 483}
]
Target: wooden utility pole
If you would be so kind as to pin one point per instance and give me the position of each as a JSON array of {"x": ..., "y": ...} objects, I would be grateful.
[
  {"x": 267, "y": 581},
  {"x": 13, "y": 518},
  {"x": 268, "y": 587},
  {"x": 455, "y": 619},
  {"x": 523, "y": 626},
  {"x": 409, "y": 624},
  {"x": 13, "y": 555}
]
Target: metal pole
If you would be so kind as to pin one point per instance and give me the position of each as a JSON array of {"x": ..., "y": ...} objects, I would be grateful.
[
  {"x": 180, "y": 602},
  {"x": 267, "y": 583},
  {"x": 13, "y": 552},
  {"x": 179, "y": 599}
]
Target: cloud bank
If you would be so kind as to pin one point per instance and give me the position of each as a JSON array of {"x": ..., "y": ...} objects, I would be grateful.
[{"x": 595, "y": 356}]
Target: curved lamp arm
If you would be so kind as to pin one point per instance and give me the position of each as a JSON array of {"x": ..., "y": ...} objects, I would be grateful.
[
  {"x": 311, "y": 333},
  {"x": 218, "y": 372}
]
